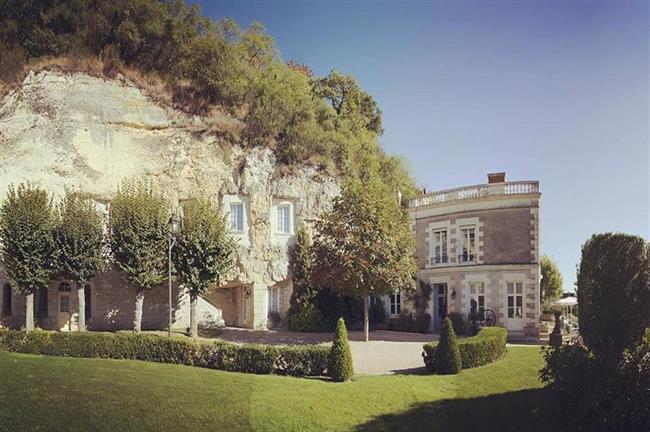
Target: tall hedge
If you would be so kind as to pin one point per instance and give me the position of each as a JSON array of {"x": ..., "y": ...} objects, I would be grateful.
[
  {"x": 613, "y": 292},
  {"x": 448, "y": 360},
  {"x": 340, "y": 362},
  {"x": 487, "y": 346}
]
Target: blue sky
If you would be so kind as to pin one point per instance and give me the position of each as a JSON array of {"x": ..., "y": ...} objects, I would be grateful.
[{"x": 555, "y": 91}]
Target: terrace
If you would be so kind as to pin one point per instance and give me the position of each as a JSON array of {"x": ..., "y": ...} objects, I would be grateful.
[{"x": 477, "y": 191}]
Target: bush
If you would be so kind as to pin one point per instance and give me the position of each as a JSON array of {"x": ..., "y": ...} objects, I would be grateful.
[
  {"x": 591, "y": 393},
  {"x": 423, "y": 322},
  {"x": 613, "y": 292},
  {"x": 340, "y": 360},
  {"x": 309, "y": 319},
  {"x": 459, "y": 323},
  {"x": 447, "y": 360},
  {"x": 486, "y": 347},
  {"x": 377, "y": 312},
  {"x": 304, "y": 360}
]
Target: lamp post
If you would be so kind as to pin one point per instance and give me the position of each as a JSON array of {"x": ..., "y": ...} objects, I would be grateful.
[{"x": 173, "y": 226}]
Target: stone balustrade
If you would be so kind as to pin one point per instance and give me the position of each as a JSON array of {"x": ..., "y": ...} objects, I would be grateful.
[{"x": 477, "y": 191}]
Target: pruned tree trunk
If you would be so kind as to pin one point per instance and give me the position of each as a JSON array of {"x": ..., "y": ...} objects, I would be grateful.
[
  {"x": 194, "y": 322},
  {"x": 29, "y": 312},
  {"x": 137, "y": 320},
  {"x": 366, "y": 329},
  {"x": 81, "y": 300}
]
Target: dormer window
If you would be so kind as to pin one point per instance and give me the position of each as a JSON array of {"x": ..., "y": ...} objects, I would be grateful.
[
  {"x": 284, "y": 218},
  {"x": 237, "y": 217}
]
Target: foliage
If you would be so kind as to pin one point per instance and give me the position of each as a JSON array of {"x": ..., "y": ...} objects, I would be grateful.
[
  {"x": 591, "y": 393},
  {"x": 364, "y": 245},
  {"x": 487, "y": 346},
  {"x": 309, "y": 319},
  {"x": 204, "y": 250},
  {"x": 459, "y": 323},
  {"x": 377, "y": 314},
  {"x": 613, "y": 292},
  {"x": 138, "y": 238},
  {"x": 305, "y": 360},
  {"x": 274, "y": 319},
  {"x": 334, "y": 305},
  {"x": 420, "y": 298},
  {"x": 301, "y": 260},
  {"x": 447, "y": 360},
  {"x": 340, "y": 360},
  {"x": 551, "y": 284},
  {"x": 27, "y": 246},
  {"x": 328, "y": 121}
]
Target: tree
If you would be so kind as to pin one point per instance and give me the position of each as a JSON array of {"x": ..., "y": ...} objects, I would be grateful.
[
  {"x": 204, "y": 251},
  {"x": 302, "y": 264},
  {"x": 447, "y": 360},
  {"x": 138, "y": 225},
  {"x": 551, "y": 284},
  {"x": 613, "y": 292},
  {"x": 364, "y": 244},
  {"x": 340, "y": 360},
  {"x": 26, "y": 244},
  {"x": 79, "y": 241}
]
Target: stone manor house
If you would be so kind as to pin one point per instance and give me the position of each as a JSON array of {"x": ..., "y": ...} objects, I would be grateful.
[{"x": 477, "y": 243}]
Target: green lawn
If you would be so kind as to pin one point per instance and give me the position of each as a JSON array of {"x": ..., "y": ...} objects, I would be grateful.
[{"x": 55, "y": 393}]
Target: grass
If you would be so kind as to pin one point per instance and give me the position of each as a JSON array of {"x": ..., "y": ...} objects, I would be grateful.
[{"x": 56, "y": 393}]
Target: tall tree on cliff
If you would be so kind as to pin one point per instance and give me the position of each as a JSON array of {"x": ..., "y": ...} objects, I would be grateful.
[
  {"x": 364, "y": 244},
  {"x": 138, "y": 239},
  {"x": 26, "y": 244},
  {"x": 79, "y": 242},
  {"x": 204, "y": 251}
]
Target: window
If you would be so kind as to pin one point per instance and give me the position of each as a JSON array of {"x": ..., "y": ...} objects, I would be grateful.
[
  {"x": 237, "y": 217},
  {"x": 395, "y": 303},
  {"x": 42, "y": 302},
  {"x": 439, "y": 247},
  {"x": 64, "y": 287},
  {"x": 274, "y": 300},
  {"x": 468, "y": 244},
  {"x": 64, "y": 304},
  {"x": 6, "y": 300},
  {"x": 476, "y": 298},
  {"x": 284, "y": 218},
  {"x": 515, "y": 300}
]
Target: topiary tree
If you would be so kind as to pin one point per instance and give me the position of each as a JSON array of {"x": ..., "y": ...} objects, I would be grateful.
[
  {"x": 613, "y": 292},
  {"x": 302, "y": 264},
  {"x": 79, "y": 241},
  {"x": 447, "y": 358},
  {"x": 26, "y": 244},
  {"x": 204, "y": 251},
  {"x": 364, "y": 244},
  {"x": 551, "y": 284},
  {"x": 340, "y": 361},
  {"x": 138, "y": 227}
]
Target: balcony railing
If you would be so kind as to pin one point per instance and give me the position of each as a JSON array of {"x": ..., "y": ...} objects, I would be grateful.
[{"x": 477, "y": 191}]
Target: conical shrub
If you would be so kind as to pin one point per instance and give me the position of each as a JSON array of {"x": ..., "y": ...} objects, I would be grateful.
[
  {"x": 340, "y": 360},
  {"x": 447, "y": 358}
]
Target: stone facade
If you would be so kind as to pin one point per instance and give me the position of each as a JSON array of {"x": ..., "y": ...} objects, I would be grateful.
[
  {"x": 481, "y": 241},
  {"x": 65, "y": 132}
]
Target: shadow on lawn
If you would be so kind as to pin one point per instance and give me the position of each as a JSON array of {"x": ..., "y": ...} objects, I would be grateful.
[{"x": 524, "y": 410}]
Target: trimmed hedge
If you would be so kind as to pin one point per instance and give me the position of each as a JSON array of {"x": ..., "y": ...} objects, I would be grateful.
[
  {"x": 307, "y": 360},
  {"x": 487, "y": 346}
]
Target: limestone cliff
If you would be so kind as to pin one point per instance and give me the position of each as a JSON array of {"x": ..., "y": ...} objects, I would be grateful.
[{"x": 77, "y": 131}]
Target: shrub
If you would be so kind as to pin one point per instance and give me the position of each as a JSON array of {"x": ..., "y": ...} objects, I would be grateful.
[
  {"x": 423, "y": 322},
  {"x": 305, "y": 360},
  {"x": 447, "y": 360},
  {"x": 340, "y": 358},
  {"x": 309, "y": 319},
  {"x": 613, "y": 292},
  {"x": 377, "y": 314},
  {"x": 459, "y": 323},
  {"x": 486, "y": 347}
]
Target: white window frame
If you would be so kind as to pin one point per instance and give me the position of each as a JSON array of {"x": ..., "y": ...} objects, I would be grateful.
[
  {"x": 476, "y": 292},
  {"x": 440, "y": 247},
  {"x": 472, "y": 252},
  {"x": 515, "y": 291},
  {"x": 284, "y": 219},
  {"x": 274, "y": 299},
  {"x": 395, "y": 303},
  {"x": 234, "y": 223}
]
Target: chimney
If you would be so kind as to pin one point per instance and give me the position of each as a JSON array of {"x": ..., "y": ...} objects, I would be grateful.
[{"x": 497, "y": 177}]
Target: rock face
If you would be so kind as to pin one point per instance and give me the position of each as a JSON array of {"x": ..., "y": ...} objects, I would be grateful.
[{"x": 85, "y": 133}]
